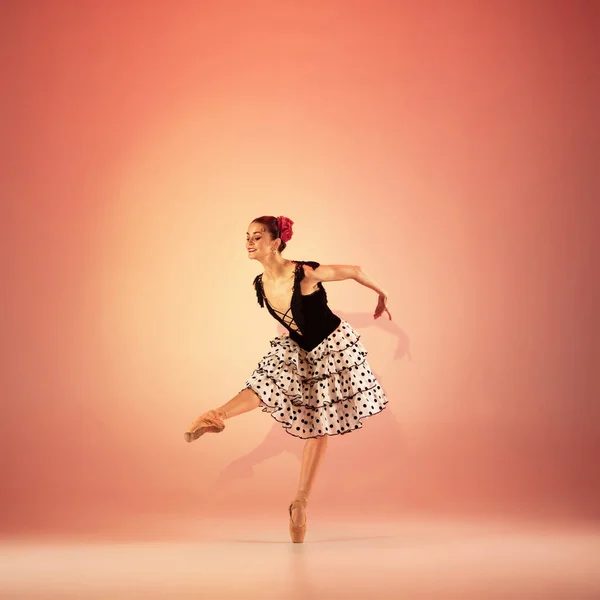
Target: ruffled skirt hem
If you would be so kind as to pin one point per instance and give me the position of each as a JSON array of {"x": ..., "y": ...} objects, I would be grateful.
[{"x": 329, "y": 390}]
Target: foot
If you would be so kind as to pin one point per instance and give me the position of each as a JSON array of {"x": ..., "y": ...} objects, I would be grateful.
[
  {"x": 209, "y": 422},
  {"x": 297, "y": 510}
]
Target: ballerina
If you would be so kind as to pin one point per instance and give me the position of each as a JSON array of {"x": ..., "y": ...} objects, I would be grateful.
[{"x": 316, "y": 380}]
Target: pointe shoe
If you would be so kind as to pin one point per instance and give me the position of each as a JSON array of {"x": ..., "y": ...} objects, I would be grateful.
[
  {"x": 208, "y": 422},
  {"x": 297, "y": 532}
]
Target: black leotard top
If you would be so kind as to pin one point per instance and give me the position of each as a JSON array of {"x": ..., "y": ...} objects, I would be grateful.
[{"x": 309, "y": 319}]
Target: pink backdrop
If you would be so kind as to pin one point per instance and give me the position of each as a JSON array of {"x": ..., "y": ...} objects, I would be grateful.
[{"x": 446, "y": 147}]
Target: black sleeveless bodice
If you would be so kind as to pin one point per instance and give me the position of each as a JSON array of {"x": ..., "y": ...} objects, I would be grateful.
[{"x": 309, "y": 319}]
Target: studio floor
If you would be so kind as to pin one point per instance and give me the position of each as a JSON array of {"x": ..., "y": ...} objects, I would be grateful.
[{"x": 412, "y": 558}]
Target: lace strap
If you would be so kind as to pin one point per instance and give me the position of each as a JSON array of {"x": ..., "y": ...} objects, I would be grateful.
[
  {"x": 301, "y": 274},
  {"x": 258, "y": 288},
  {"x": 310, "y": 263}
]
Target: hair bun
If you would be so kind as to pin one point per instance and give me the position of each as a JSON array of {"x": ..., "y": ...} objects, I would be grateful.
[{"x": 285, "y": 228}]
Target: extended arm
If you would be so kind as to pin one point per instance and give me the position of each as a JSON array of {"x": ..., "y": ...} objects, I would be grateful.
[
  {"x": 325, "y": 273},
  {"x": 341, "y": 272}
]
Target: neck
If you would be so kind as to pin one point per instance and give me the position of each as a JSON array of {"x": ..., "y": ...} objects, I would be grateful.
[{"x": 276, "y": 267}]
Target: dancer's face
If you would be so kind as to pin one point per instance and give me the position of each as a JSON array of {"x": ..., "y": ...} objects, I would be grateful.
[{"x": 258, "y": 242}]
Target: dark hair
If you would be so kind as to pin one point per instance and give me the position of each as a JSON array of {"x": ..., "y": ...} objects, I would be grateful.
[{"x": 271, "y": 225}]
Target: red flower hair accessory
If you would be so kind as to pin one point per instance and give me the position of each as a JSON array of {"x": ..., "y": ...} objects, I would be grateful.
[{"x": 285, "y": 228}]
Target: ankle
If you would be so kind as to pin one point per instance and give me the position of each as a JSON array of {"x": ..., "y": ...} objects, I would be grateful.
[
  {"x": 301, "y": 498},
  {"x": 220, "y": 413}
]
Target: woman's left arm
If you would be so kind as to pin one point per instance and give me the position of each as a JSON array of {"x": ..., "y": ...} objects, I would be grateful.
[{"x": 325, "y": 273}]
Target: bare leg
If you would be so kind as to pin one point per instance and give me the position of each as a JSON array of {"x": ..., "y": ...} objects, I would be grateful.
[
  {"x": 314, "y": 451},
  {"x": 243, "y": 402},
  {"x": 212, "y": 420}
]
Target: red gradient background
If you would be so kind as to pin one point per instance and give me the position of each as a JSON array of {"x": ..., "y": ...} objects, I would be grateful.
[{"x": 449, "y": 148}]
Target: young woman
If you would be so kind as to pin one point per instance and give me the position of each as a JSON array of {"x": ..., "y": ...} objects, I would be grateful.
[{"x": 316, "y": 381}]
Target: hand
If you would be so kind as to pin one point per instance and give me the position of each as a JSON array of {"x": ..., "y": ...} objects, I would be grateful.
[{"x": 381, "y": 307}]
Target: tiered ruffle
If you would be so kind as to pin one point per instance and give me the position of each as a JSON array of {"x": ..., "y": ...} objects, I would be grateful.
[{"x": 327, "y": 391}]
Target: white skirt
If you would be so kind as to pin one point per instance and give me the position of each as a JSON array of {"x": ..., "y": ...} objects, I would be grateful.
[{"x": 327, "y": 391}]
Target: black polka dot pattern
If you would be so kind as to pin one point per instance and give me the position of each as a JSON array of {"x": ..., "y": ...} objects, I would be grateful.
[{"x": 327, "y": 391}]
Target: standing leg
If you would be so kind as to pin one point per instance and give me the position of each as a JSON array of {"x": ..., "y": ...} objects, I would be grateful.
[
  {"x": 212, "y": 420},
  {"x": 314, "y": 451}
]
